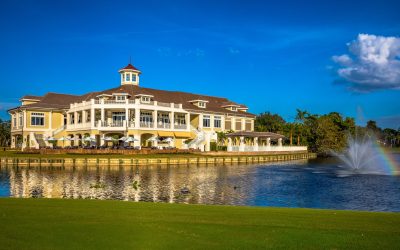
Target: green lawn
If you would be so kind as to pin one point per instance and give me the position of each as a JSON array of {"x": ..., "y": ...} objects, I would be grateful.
[{"x": 87, "y": 224}]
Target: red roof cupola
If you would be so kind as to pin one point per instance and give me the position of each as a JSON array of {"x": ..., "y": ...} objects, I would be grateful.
[
  {"x": 129, "y": 75},
  {"x": 130, "y": 66}
]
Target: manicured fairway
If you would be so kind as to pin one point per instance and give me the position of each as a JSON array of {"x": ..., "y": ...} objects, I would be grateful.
[{"x": 89, "y": 224}]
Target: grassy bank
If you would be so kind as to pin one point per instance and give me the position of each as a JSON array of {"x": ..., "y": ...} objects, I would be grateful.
[{"x": 86, "y": 224}]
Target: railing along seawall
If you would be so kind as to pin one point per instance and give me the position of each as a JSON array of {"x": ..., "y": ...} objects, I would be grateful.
[{"x": 128, "y": 162}]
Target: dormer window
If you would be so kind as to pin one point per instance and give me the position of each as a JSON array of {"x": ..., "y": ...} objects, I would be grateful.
[
  {"x": 199, "y": 103},
  {"x": 133, "y": 77},
  {"x": 120, "y": 98},
  {"x": 232, "y": 107},
  {"x": 146, "y": 99},
  {"x": 127, "y": 77}
]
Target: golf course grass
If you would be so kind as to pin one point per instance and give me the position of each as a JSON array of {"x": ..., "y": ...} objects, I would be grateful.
[{"x": 94, "y": 224}]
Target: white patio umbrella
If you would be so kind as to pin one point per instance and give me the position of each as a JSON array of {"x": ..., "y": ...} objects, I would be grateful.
[
  {"x": 153, "y": 139},
  {"x": 89, "y": 139},
  {"x": 131, "y": 139},
  {"x": 169, "y": 139},
  {"x": 122, "y": 139},
  {"x": 50, "y": 139}
]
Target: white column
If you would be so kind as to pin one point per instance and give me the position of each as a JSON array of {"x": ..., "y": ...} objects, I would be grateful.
[
  {"x": 252, "y": 124},
  {"x": 243, "y": 125},
  {"x": 241, "y": 145},
  {"x": 24, "y": 119},
  {"x": 280, "y": 142},
  {"x": 92, "y": 117},
  {"x": 229, "y": 148},
  {"x": 207, "y": 143},
  {"x": 102, "y": 115},
  {"x": 172, "y": 120},
  {"x": 233, "y": 123},
  {"x": 155, "y": 119},
  {"x": 187, "y": 121},
  {"x": 137, "y": 118},
  {"x": 75, "y": 117},
  {"x": 13, "y": 141},
  {"x": 200, "y": 121},
  {"x": 268, "y": 144},
  {"x": 255, "y": 144}
]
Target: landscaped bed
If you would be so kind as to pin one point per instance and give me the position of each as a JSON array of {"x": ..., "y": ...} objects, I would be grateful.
[{"x": 94, "y": 224}]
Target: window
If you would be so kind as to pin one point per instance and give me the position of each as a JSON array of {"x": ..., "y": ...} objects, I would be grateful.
[
  {"x": 71, "y": 118},
  {"x": 234, "y": 108},
  {"x": 14, "y": 122},
  {"x": 206, "y": 121},
  {"x": 37, "y": 119},
  {"x": 88, "y": 116},
  {"x": 127, "y": 77},
  {"x": 120, "y": 98},
  {"x": 133, "y": 77},
  {"x": 146, "y": 118},
  {"x": 145, "y": 99},
  {"x": 217, "y": 121},
  {"x": 118, "y": 116},
  {"x": 20, "y": 120},
  {"x": 202, "y": 104},
  {"x": 180, "y": 119},
  {"x": 163, "y": 118},
  {"x": 79, "y": 116}
]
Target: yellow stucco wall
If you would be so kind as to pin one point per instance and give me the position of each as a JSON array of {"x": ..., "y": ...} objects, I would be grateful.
[
  {"x": 56, "y": 122},
  {"x": 194, "y": 121}
]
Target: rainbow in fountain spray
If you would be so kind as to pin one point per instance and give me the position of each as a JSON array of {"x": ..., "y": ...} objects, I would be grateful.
[
  {"x": 365, "y": 156},
  {"x": 389, "y": 163}
]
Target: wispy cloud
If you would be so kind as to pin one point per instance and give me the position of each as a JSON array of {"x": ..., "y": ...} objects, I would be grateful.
[
  {"x": 233, "y": 51},
  {"x": 167, "y": 51},
  {"x": 373, "y": 64}
]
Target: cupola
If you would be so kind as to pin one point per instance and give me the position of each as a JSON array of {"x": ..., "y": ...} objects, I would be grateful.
[{"x": 129, "y": 75}]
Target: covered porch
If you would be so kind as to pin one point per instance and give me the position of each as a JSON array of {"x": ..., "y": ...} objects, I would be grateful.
[{"x": 246, "y": 141}]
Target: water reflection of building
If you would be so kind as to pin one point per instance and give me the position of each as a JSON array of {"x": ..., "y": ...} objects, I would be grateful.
[{"x": 207, "y": 184}]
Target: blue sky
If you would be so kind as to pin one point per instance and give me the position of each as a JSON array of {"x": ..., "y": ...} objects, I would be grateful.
[{"x": 273, "y": 56}]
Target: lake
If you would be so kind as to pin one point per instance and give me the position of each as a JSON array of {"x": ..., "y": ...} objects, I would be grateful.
[{"x": 313, "y": 183}]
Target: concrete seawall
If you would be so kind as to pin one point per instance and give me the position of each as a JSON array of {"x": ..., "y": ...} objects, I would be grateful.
[{"x": 122, "y": 162}]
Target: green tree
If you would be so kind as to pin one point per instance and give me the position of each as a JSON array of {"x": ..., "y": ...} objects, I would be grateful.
[
  {"x": 5, "y": 133},
  {"x": 267, "y": 122}
]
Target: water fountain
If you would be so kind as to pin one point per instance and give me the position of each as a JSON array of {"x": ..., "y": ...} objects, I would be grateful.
[{"x": 362, "y": 156}]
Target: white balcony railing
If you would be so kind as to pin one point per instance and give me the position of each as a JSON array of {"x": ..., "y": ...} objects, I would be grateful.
[
  {"x": 113, "y": 124},
  {"x": 163, "y": 125},
  {"x": 180, "y": 126},
  {"x": 163, "y": 104},
  {"x": 247, "y": 148},
  {"x": 146, "y": 124}
]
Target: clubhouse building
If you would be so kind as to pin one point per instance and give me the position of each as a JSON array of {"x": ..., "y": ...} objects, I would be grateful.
[{"x": 150, "y": 117}]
